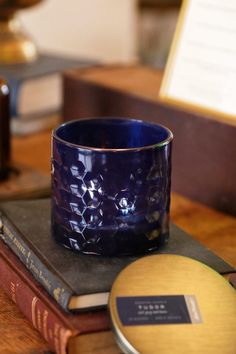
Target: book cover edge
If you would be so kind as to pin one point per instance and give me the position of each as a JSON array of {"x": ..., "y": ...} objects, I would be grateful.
[
  {"x": 66, "y": 319},
  {"x": 60, "y": 291}
]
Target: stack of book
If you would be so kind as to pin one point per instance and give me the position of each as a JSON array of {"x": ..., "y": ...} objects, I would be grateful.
[
  {"x": 64, "y": 294},
  {"x": 36, "y": 91}
]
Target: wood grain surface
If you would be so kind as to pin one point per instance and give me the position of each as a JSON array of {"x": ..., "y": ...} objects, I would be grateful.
[
  {"x": 139, "y": 80},
  {"x": 214, "y": 229}
]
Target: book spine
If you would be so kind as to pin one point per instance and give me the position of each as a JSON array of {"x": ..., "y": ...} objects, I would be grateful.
[
  {"x": 46, "y": 277},
  {"x": 35, "y": 310}
]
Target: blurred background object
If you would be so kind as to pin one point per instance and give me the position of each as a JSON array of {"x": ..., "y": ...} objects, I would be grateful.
[
  {"x": 15, "y": 45},
  {"x": 78, "y": 33},
  {"x": 36, "y": 97},
  {"x": 107, "y": 30},
  {"x": 4, "y": 129},
  {"x": 97, "y": 29},
  {"x": 156, "y": 26}
]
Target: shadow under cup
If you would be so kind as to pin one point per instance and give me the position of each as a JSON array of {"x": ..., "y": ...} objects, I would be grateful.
[{"x": 111, "y": 186}]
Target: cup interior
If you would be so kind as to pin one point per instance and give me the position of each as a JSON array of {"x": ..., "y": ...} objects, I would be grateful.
[{"x": 112, "y": 133}]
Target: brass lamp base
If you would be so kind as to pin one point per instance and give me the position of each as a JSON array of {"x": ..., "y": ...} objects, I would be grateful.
[{"x": 15, "y": 46}]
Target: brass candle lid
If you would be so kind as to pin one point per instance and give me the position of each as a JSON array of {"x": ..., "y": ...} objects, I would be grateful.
[{"x": 169, "y": 304}]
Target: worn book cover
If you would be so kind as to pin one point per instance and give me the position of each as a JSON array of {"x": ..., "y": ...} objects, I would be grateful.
[
  {"x": 55, "y": 325},
  {"x": 78, "y": 281}
]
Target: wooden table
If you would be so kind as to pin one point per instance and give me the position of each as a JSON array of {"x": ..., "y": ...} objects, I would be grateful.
[{"x": 214, "y": 229}]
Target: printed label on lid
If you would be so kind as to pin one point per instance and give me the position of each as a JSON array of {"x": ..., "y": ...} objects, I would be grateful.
[{"x": 158, "y": 310}]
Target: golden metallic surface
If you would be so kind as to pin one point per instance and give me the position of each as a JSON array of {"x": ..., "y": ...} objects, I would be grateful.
[
  {"x": 15, "y": 45},
  {"x": 177, "y": 275}
]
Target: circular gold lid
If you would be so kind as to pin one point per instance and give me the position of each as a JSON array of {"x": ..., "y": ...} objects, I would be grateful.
[{"x": 171, "y": 304}]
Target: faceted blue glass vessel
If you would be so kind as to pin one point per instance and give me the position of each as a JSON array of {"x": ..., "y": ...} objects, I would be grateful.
[{"x": 111, "y": 185}]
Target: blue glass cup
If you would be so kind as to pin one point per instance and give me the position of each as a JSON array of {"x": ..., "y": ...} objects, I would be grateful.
[{"x": 111, "y": 182}]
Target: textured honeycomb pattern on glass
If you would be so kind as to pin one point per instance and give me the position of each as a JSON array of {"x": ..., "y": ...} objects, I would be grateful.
[{"x": 112, "y": 202}]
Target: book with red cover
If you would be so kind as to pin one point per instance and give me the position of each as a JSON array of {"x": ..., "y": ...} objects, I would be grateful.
[{"x": 57, "y": 327}]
